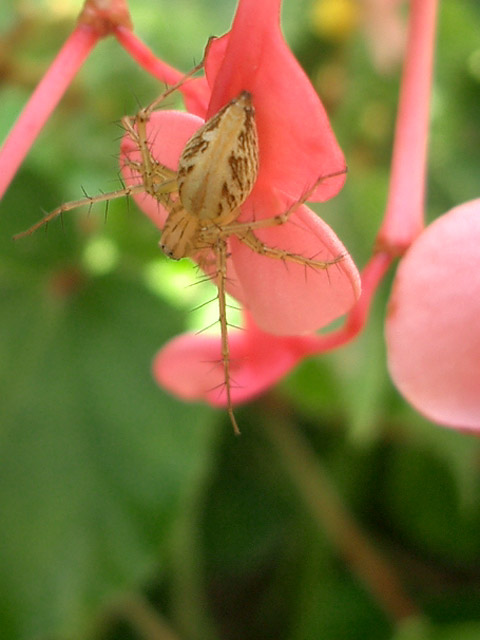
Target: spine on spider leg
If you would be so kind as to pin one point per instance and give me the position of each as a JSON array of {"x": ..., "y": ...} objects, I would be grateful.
[
  {"x": 283, "y": 217},
  {"x": 68, "y": 206},
  {"x": 221, "y": 253},
  {"x": 255, "y": 244}
]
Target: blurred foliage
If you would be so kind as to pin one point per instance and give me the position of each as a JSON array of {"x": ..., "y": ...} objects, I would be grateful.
[{"x": 125, "y": 514}]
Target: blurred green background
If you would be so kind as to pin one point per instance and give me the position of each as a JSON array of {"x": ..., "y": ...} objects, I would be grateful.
[{"x": 126, "y": 514}]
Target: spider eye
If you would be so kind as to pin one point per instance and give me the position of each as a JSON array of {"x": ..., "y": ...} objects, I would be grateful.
[{"x": 167, "y": 251}]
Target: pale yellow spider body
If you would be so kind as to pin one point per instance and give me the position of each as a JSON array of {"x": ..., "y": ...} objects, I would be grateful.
[{"x": 216, "y": 173}]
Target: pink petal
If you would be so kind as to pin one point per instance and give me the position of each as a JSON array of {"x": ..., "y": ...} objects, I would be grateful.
[
  {"x": 285, "y": 298},
  {"x": 433, "y": 326},
  {"x": 297, "y": 144},
  {"x": 190, "y": 365}
]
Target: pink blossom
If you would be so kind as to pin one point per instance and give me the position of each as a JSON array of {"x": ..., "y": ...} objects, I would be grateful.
[
  {"x": 189, "y": 364},
  {"x": 432, "y": 335},
  {"x": 433, "y": 328},
  {"x": 297, "y": 147}
]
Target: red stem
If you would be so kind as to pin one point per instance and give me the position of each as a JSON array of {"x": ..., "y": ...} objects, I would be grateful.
[
  {"x": 403, "y": 219},
  {"x": 195, "y": 91},
  {"x": 145, "y": 56},
  {"x": 372, "y": 275},
  {"x": 44, "y": 100}
]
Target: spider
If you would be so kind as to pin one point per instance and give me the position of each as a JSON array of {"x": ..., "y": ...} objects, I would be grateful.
[{"x": 216, "y": 173}]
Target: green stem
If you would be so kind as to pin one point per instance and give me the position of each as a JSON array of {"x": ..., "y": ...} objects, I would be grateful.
[
  {"x": 332, "y": 518},
  {"x": 189, "y": 604},
  {"x": 132, "y": 608},
  {"x": 144, "y": 619}
]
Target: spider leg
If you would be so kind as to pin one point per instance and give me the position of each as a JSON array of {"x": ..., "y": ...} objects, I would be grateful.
[
  {"x": 89, "y": 200},
  {"x": 255, "y": 244},
  {"x": 159, "y": 181},
  {"x": 153, "y": 105},
  {"x": 282, "y": 218},
  {"x": 136, "y": 127},
  {"x": 221, "y": 278}
]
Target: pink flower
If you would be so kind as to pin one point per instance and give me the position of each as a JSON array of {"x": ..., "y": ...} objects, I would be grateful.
[
  {"x": 432, "y": 334},
  {"x": 433, "y": 327},
  {"x": 189, "y": 364},
  {"x": 297, "y": 147}
]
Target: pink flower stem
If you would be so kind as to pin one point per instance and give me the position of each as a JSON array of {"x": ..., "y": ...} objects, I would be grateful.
[
  {"x": 372, "y": 275},
  {"x": 145, "y": 56},
  {"x": 44, "y": 100},
  {"x": 195, "y": 91},
  {"x": 403, "y": 219}
]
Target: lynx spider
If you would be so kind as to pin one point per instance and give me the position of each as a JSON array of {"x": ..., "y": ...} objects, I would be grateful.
[{"x": 216, "y": 173}]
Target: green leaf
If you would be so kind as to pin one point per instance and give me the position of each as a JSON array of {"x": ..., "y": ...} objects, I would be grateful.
[{"x": 96, "y": 461}]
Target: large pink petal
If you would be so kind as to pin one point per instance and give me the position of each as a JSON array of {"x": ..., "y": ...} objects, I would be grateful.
[
  {"x": 433, "y": 325},
  {"x": 190, "y": 365},
  {"x": 297, "y": 144},
  {"x": 285, "y": 298}
]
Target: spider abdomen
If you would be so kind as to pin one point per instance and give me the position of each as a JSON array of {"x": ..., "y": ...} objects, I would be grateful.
[{"x": 219, "y": 165}]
